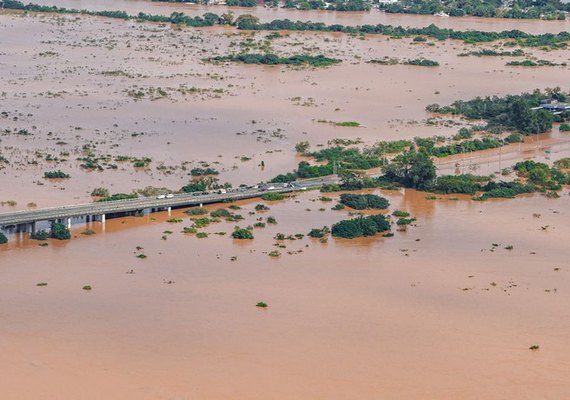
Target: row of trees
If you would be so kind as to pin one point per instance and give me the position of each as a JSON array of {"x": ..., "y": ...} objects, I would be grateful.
[
  {"x": 520, "y": 9},
  {"x": 273, "y": 59},
  {"x": 251, "y": 22},
  {"x": 338, "y": 5}
]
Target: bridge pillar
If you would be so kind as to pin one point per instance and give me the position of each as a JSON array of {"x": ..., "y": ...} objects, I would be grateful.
[
  {"x": 103, "y": 218},
  {"x": 87, "y": 218},
  {"x": 201, "y": 205},
  {"x": 33, "y": 228},
  {"x": 68, "y": 223},
  {"x": 169, "y": 211}
]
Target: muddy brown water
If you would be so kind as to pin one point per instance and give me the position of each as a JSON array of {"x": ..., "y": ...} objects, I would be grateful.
[
  {"x": 328, "y": 17},
  {"x": 435, "y": 312},
  {"x": 429, "y": 313},
  {"x": 84, "y": 71}
]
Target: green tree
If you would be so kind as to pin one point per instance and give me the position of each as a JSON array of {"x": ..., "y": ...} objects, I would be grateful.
[
  {"x": 246, "y": 21},
  {"x": 350, "y": 179},
  {"x": 60, "y": 232},
  {"x": 3, "y": 238},
  {"x": 414, "y": 169}
]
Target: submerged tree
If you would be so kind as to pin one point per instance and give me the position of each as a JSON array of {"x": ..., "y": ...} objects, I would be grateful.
[{"x": 413, "y": 169}]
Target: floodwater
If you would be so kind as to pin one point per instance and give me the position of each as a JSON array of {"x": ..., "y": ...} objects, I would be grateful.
[
  {"x": 436, "y": 312},
  {"x": 329, "y": 17},
  {"x": 446, "y": 309},
  {"x": 87, "y": 71}
]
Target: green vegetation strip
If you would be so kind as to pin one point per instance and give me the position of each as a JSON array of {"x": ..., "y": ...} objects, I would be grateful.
[
  {"x": 273, "y": 59},
  {"x": 249, "y": 22},
  {"x": 518, "y": 9}
]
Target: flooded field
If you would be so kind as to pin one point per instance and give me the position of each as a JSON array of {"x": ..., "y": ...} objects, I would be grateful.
[
  {"x": 447, "y": 308},
  {"x": 328, "y": 17},
  {"x": 77, "y": 85}
]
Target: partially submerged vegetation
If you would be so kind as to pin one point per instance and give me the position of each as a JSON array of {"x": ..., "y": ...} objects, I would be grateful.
[
  {"x": 493, "y": 53},
  {"x": 56, "y": 175},
  {"x": 421, "y": 62},
  {"x": 273, "y": 59},
  {"x": 249, "y": 22},
  {"x": 519, "y": 9},
  {"x": 241, "y": 233},
  {"x": 514, "y": 112},
  {"x": 361, "y": 226},
  {"x": 534, "y": 63},
  {"x": 364, "y": 201},
  {"x": 60, "y": 232}
]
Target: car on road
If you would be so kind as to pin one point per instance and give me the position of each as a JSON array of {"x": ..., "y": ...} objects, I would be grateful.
[
  {"x": 161, "y": 196},
  {"x": 169, "y": 196}
]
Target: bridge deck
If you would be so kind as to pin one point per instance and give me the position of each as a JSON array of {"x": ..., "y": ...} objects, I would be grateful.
[{"x": 125, "y": 206}]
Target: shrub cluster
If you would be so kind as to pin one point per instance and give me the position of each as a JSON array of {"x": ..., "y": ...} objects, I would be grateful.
[
  {"x": 361, "y": 226},
  {"x": 364, "y": 201}
]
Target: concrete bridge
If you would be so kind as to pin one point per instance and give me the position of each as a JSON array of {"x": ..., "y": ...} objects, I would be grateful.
[{"x": 26, "y": 220}]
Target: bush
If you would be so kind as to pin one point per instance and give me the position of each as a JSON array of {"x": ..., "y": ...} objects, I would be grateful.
[
  {"x": 195, "y": 186},
  {"x": 40, "y": 235},
  {"x": 60, "y": 232},
  {"x": 353, "y": 124},
  {"x": 220, "y": 213},
  {"x": 565, "y": 127},
  {"x": 241, "y": 233},
  {"x": 514, "y": 138},
  {"x": 196, "y": 211},
  {"x": 56, "y": 175},
  {"x": 467, "y": 184},
  {"x": 119, "y": 196},
  {"x": 506, "y": 190},
  {"x": 272, "y": 196},
  {"x": 361, "y": 226},
  {"x": 319, "y": 233},
  {"x": 422, "y": 62},
  {"x": 364, "y": 201},
  {"x": 203, "y": 171},
  {"x": 302, "y": 147},
  {"x": 100, "y": 192},
  {"x": 3, "y": 238},
  {"x": 400, "y": 214},
  {"x": 201, "y": 222}
]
